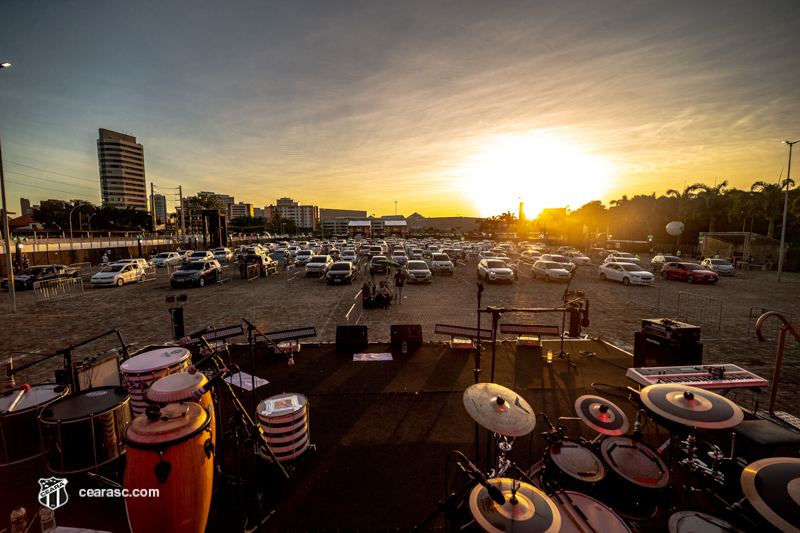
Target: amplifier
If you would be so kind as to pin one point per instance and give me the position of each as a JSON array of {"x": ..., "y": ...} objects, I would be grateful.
[
  {"x": 671, "y": 329},
  {"x": 351, "y": 336},
  {"x": 99, "y": 371},
  {"x": 656, "y": 351},
  {"x": 410, "y": 333}
]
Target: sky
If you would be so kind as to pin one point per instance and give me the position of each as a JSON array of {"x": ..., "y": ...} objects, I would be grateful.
[{"x": 442, "y": 108}]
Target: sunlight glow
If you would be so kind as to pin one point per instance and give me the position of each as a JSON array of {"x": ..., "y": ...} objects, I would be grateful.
[{"x": 540, "y": 170}]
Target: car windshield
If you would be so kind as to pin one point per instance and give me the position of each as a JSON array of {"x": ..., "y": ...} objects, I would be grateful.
[
  {"x": 549, "y": 265},
  {"x": 318, "y": 259},
  {"x": 624, "y": 254},
  {"x": 341, "y": 266},
  {"x": 694, "y": 267},
  {"x": 672, "y": 259},
  {"x": 440, "y": 257},
  {"x": 417, "y": 265},
  {"x": 632, "y": 268},
  {"x": 398, "y": 254},
  {"x": 30, "y": 271},
  {"x": 197, "y": 265},
  {"x": 720, "y": 262},
  {"x": 489, "y": 254},
  {"x": 379, "y": 258},
  {"x": 113, "y": 268},
  {"x": 496, "y": 264},
  {"x": 198, "y": 254},
  {"x": 560, "y": 259},
  {"x": 162, "y": 256}
]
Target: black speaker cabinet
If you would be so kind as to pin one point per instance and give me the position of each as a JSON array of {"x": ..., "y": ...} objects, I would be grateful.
[
  {"x": 351, "y": 336},
  {"x": 651, "y": 350},
  {"x": 410, "y": 333}
]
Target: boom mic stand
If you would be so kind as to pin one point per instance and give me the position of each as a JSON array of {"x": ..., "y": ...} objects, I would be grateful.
[{"x": 477, "y": 369}]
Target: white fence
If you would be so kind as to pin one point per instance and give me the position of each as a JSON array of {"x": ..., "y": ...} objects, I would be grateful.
[
  {"x": 356, "y": 310},
  {"x": 84, "y": 270},
  {"x": 56, "y": 289},
  {"x": 148, "y": 273},
  {"x": 693, "y": 308}
]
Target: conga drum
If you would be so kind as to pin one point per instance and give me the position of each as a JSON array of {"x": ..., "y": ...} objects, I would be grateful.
[
  {"x": 284, "y": 419},
  {"x": 171, "y": 453},
  {"x": 20, "y": 439},
  {"x": 142, "y": 370},
  {"x": 179, "y": 388}
]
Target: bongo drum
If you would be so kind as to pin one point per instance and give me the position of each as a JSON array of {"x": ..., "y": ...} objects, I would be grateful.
[
  {"x": 284, "y": 419},
  {"x": 171, "y": 452},
  {"x": 142, "y": 370}
]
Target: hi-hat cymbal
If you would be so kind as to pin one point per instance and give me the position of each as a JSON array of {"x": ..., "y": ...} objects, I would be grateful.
[
  {"x": 691, "y": 406},
  {"x": 531, "y": 511},
  {"x": 500, "y": 410},
  {"x": 601, "y": 415},
  {"x": 772, "y": 486}
]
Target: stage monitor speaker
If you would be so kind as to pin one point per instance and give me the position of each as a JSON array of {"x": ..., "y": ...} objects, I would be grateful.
[
  {"x": 351, "y": 336},
  {"x": 651, "y": 350},
  {"x": 410, "y": 333}
]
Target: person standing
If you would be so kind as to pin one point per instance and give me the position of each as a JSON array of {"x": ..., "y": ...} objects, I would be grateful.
[
  {"x": 105, "y": 259},
  {"x": 25, "y": 262},
  {"x": 399, "y": 283}
]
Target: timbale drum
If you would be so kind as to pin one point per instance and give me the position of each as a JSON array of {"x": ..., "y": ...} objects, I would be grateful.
[
  {"x": 174, "y": 454},
  {"x": 284, "y": 419},
  {"x": 20, "y": 439},
  {"x": 83, "y": 431},
  {"x": 144, "y": 369}
]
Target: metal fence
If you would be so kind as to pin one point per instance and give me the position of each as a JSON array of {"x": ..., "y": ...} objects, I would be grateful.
[
  {"x": 356, "y": 310},
  {"x": 292, "y": 271},
  {"x": 56, "y": 289},
  {"x": 170, "y": 268},
  {"x": 646, "y": 296},
  {"x": 85, "y": 270},
  {"x": 700, "y": 309},
  {"x": 148, "y": 274},
  {"x": 770, "y": 329}
]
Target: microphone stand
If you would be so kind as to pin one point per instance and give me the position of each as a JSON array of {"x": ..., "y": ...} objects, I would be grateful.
[
  {"x": 477, "y": 369},
  {"x": 446, "y": 505}
]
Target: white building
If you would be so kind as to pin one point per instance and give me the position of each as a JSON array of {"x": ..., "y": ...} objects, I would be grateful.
[
  {"x": 239, "y": 210},
  {"x": 304, "y": 216},
  {"x": 122, "y": 179}
]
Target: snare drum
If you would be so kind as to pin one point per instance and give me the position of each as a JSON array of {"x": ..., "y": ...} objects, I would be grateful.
[
  {"x": 598, "y": 517},
  {"x": 689, "y": 521},
  {"x": 141, "y": 371},
  {"x": 284, "y": 419},
  {"x": 573, "y": 466},
  {"x": 83, "y": 431},
  {"x": 179, "y": 388},
  {"x": 637, "y": 476},
  {"x": 20, "y": 439},
  {"x": 172, "y": 454}
]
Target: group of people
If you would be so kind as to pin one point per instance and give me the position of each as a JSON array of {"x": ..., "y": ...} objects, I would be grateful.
[{"x": 383, "y": 295}]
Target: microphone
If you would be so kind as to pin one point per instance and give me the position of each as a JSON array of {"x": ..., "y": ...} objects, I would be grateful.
[
  {"x": 553, "y": 432},
  {"x": 22, "y": 390},
  {"x": 637, "y": 426},
  {"x": 219, "y": 376},
  {"x": 183, "y": 341},
  {"x": 249, "y": 324},
  {"x": 493, "y": 491},
  {"x": 194, "y": 368}
]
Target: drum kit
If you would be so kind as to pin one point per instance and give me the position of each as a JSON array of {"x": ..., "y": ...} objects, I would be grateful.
[{"x": 615, "y": 480}]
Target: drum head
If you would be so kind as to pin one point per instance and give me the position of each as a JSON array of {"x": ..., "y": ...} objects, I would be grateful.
[
  {"x": 175, "y": 387},
  {"x": 577, "y": 461},
  {"x": 281, "y": 405},
  {"x": 178, "y": 422},
  {"x": 84, "y": 404},
  {"x": 692, "y": 521},
  {"x": 598, "y": 517},
  {"x": 36, "y": 396},
  {"x": 533, "y": 511},
  {"x": 155, "y": 360},
  {"x": 636, "y": 462}
]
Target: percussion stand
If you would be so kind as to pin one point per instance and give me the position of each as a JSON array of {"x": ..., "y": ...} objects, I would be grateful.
[{"x": 446, "y": 505}]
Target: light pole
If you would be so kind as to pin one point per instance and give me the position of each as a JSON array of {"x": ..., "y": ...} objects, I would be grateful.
[
  {"x": 9, "y": 267},
  {"x": 89, "y": 220},
  {"x": 785, "y": 207},
  {"x": 72, "y": 244}
]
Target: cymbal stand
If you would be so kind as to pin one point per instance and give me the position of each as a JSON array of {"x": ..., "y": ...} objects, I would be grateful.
[{"x": 504, "y": 445}]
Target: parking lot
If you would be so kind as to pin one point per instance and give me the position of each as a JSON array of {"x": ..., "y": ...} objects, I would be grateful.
[{"x": 140, "y": 312}]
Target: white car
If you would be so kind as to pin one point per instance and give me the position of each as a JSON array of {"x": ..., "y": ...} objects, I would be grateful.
[
  {"x": 627, "y": 273},
  {"x": 494, "y": 270},
  {"x": 486, "y": 255},
  {"x": 566, "y": 262},
  {"x": 166, "y": 258},
  {"x": 222, "y": 255},
  {"x": 200, "y": 255},
  {"x": 304, "y": 256},
  {"x": 348, "y": 255},
  {"x": 629, "y": 258},
  {"x": 721, "y": 266},
  {"x": 400, "y": 257},
  {"x": 117, "y": 274},
  {"x": 549, "y": 271},
  {"x": 139, "y": 261},
  {"x": 418, "y": 272},
  {"x": 416, "y": 254},
  {"x": 530, "y": 256},
  {"x": 442, "y": 264},
  {"x": 318, "y": 265},
  {"x": 578, "y": 258}
]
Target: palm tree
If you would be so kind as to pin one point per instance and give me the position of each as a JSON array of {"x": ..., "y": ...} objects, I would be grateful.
[
  {"x": 770, "y": 198},
  {"x": 683, "y": 206},
  {"x": 711, "y": 202}
]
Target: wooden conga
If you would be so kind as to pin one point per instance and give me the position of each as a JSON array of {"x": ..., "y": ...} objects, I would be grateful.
[
  {"x": 171, "y": 452},
  {"x": 179, "y": 388}
]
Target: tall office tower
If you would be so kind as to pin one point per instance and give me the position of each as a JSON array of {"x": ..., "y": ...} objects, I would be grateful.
[
  {"x": 122, "y": 180},
  {"x": 160, "y": 207}
]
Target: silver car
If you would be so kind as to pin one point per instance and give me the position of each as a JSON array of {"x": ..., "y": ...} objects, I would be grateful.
[
  {"x": 166, "y": 258},
  {"x": 318, "y": 265},
  {"x": 549, "y": 271},
  {"x": 418, "y": 272},
  {"x": 491, "y": 270},
  {"x": 223, "y": 255},
  {"x": 723, "y": 267}
]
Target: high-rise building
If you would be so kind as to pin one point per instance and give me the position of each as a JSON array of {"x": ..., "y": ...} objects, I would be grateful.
[
  {"x": 240, "y": 210},
  {"x": 304, "y": 216},
  {"x": 121, "y": 161},
  {"x": 160, "y": 208},
  {"x": 25, "y": 206},
  {"x": 258, "y": 212}
]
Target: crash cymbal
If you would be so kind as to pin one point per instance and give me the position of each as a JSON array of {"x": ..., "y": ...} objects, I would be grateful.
[
  {"x": 601, "y": 415},
  {"x": 691, "y": 406},
  {"x": 530, "y": 511},
  {"x": 500, "y": 410},
  {"x": 772, "y": 486}
]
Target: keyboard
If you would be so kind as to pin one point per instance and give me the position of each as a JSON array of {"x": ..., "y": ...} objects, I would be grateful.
[{"x": 700, "y": 376}]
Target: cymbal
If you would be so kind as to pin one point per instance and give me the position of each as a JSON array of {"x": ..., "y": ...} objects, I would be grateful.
[
  {"x": 772, "y": 486},
  {"x": 691, "y": 406},
  {"x": 532, "y": 512},
  {"x": 602, "y": 415},
  {"x": 500, "y": 410}
]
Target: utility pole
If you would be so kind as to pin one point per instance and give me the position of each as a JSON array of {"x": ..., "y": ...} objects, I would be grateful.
[
  {"x": 183, "y": 217},
  {"x": 153, "y": 205}
]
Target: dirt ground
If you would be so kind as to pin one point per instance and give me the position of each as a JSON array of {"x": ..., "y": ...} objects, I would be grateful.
[{"x": 140, "y": 313}]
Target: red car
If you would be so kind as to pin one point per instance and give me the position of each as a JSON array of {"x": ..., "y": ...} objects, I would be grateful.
[{"x": 688, "y": 272}]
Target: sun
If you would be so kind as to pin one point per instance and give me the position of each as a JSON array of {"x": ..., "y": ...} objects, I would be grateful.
[{"x": 540, "y": 170}]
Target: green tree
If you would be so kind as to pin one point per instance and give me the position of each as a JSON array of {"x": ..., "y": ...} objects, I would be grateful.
[
  {"x": 770, "y": 199},
  {"x": 711, "y": 203}
]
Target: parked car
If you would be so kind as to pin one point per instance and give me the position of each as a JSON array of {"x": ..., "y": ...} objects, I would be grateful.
[
  {"x": 550, "y": 271},
  {"x": 166, "y": 258},
  {"x": 688, "y": 272},
  {"x": 491, "y": 270},
  {"x": 340, "y": 273},
  {"x": 139, "y": 261},
  {"x": 418, "y": 272},
  {"x": 374, "y": 250},
  {"x": 349, "y": 255},
  {"x": 530, "y": 256},
  {"x": 196, "y": 273},
  {"x": 184, "y": 255},
  {"x": 201, "y": 255},
  {"x": 723, "y": 267},
  {"x": 117, "y": 274},
  {"x": 223, "y": 255},
  {"x": 375, "y": 267},
  {"x": 627, "y": 273},
  {"x": 399, "y": 256},
  {"x": 304, "y": 256},
  {"x": 24, "y": 279},
  {"x": 443, "y": 264},
  {"x": 268, "y": 265},
  {"x": 318, "y": 265},
  {"x": 659, "y": 260},
  {"x": 629, "y": 258},
  {"x": 486, "y": 255},
  {"x": 578, "y": 258},
  {"x": 417, "y": 254},
  {"x": 566, "y": 262}
]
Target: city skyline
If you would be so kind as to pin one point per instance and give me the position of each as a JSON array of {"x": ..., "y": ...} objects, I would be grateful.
[{"x": 447, "y": 108}]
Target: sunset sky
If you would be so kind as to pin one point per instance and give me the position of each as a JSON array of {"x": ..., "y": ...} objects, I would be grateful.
[{"x": 447, "y": 108}]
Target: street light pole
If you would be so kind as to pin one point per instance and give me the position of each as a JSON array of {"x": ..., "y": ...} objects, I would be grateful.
[
  {"x": 785, "y": 208},
  {"x": 11, "y": 293},
  {"x": 71, "y": 243}
]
